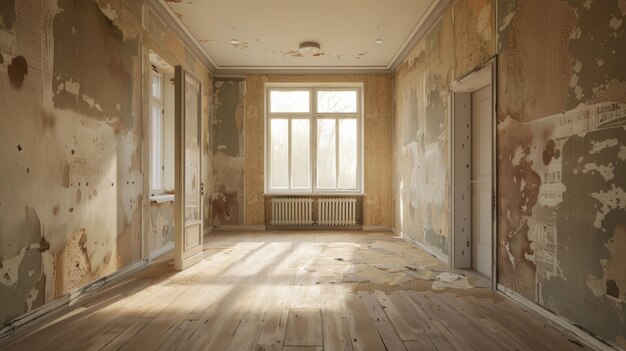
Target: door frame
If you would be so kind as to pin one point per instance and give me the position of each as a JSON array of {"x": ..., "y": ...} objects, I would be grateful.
[
  {"x": 460, "y": 188},
  {"x": 181, "y": 261}
]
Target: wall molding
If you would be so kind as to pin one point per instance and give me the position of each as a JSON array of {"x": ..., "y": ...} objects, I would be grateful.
[
  {"x": 555, "y": 320},
  {"x": 61, "y": 304},
  {"x": 240, "y": 227},
  {"x": 431, "y": 17},
  {"x": 169, "y": 246},
  {"x": 376, "y": 228},
  {"x": 435, "y": 254},
  {"x": 182, "y": 32},
  {"x": 302, "y": 71}
]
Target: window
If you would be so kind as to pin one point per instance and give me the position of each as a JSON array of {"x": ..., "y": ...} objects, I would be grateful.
[
  {"x": 156, "y": 130},
  {"x": 161, "y": 112},
  {"x": 313, "y": 139}
]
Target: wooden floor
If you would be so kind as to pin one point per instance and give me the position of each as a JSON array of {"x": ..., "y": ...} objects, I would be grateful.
[{"x": 299, "y": 291}]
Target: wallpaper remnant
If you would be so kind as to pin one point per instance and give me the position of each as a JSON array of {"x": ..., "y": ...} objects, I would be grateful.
[{"x": 561, "y": 159}]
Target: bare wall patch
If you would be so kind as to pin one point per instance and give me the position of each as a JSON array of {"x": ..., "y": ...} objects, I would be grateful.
[{"x": 103, "y": 88}]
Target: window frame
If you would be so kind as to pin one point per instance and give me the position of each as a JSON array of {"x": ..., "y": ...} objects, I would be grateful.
[
  {"x": 313, "y": 116},
  {"x": 160, "y": 102}
]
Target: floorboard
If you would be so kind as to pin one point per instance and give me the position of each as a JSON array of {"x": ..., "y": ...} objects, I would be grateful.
[{"x": 298, "y": 291}]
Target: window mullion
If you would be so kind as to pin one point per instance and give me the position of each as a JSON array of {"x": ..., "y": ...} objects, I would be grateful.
[
  {"x": 313, "y": 140},
  {"x": 268, "y": 151},
  {"x": 336, "y": 153},
  {"x": 289, "y": 157}
]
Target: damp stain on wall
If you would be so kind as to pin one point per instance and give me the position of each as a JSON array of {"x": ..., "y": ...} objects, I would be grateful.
[{"x": 17, "y": 71}]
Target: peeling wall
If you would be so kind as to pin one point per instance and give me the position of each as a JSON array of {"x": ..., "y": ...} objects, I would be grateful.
[
  {"x": 460, "y": 41},
  {"x": 227, "y": 200},
  {"x": 73, "y": 146},
  {"x": 377, "y": 100},
  {"x": 562, "y": 159}
]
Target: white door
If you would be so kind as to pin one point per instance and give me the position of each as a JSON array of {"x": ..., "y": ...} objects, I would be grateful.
[
  {"x": 188, "y": 204},
  {"x": 481, "y": 180}
]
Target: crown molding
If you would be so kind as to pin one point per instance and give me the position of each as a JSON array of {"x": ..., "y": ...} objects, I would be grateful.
[
  {"x": 302, "y": 71},
  {"x": 168, "y": 16},
  {"x": 431, "y": 17}
]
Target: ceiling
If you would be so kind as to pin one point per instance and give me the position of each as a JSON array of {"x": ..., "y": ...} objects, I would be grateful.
[{"x": 269, "y": 36}]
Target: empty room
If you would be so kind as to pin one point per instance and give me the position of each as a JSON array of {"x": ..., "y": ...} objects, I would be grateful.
[{"x": 286, "y": 175}]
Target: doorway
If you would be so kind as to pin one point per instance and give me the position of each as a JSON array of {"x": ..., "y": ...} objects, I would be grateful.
[
  {"x": 473, "y": 163},
  {"x": 174, "y": 135}
]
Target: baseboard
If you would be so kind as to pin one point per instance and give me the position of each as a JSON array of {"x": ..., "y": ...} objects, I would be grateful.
[
  {"x": 435, "y": 254},
  {"x": 376, "y": 228},
  {"x": 156, "y": 253},
  {"x": 241, "y": 227},
  {"x": 62, "y": 303},
  {"x": 557, "y": 321},
  {"x": 208, "y": 230}
]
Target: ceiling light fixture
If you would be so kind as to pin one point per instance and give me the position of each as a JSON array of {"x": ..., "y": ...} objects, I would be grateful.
[
  {"x": 309, "y": 48},
  {"x": 234, "y": 41},
  {"x": 378, "y": 41}
]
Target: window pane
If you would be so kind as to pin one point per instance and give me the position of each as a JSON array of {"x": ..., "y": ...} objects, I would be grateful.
[
  {"x": 348, "y": 155},
  {"x": 300, "y": 154},
  {"x": 156, "y": 85},
  {"x": 338, "y": 101},
  {"x": 279, "y": 163},
  {"x": 326, "y": 161},
  {"x": 289, "y": 101},
  {"x": 156, "y": 146},
  {"x": 192, "y": 150}
]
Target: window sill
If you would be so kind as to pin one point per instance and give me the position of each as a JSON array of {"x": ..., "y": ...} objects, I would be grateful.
[
  {"x": 162, "y": 198},
  {"x": 314, "y": 194}
]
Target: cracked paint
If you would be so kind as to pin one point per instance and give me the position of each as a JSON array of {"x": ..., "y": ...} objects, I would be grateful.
[
  {"x": 73, "y": 207},
  {"x": 561, "y": 130}
]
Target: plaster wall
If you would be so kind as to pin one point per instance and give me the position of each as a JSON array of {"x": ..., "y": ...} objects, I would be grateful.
[
  {"x": 561, "y": 129},
  {"x": 562, "y": 159},
  {"x": 74, "y": 152},
  {"x": 460, "y": 41}
]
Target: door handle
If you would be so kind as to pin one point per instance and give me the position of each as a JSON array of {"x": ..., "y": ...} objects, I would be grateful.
[{"x": 201, "y": 189}]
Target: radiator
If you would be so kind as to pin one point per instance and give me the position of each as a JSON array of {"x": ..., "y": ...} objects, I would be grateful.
[
  {"x": 292, "y": 211},
  {"x": 336, "y": 211}
]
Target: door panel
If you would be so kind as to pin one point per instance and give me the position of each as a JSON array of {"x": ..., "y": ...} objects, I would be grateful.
[
  {"x": 188, "y": 202},
  {"x": 482, "y": 180}
]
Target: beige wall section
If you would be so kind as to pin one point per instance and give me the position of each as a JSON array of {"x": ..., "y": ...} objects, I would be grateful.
[
  {"x": 74, "y": 144},
  {"x": 377, "y": 143},
  {"x": 458, "y": 43}
]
